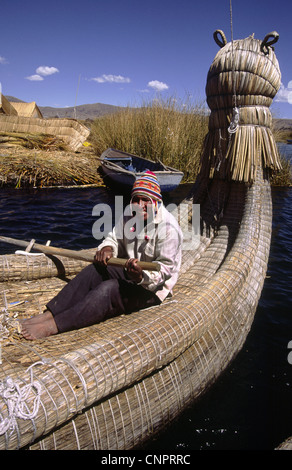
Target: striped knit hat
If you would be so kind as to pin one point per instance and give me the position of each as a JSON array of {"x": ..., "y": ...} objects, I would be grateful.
[{"x": 147, "y": 185}]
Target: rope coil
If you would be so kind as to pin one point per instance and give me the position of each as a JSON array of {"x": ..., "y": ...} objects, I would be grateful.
[
  {"x": 234, "y": 122},
  {"x": 15, "y": 398}
]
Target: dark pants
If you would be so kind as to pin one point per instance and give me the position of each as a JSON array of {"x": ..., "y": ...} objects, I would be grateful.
[{"x": 96, "y": 294}]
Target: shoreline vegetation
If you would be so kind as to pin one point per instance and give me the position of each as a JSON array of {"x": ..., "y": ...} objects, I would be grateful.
[{"x": 170, "y": 131}]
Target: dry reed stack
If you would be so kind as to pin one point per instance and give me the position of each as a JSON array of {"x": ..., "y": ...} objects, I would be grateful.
[{"x": 242, "y": 82}]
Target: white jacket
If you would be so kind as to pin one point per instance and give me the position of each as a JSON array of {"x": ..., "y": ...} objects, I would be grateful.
[{"x": 162, "y": 242}]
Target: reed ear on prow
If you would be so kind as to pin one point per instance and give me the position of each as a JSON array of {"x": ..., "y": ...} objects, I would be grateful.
[
  {"x": 220, "y": 41},
  {"x": 267, "y": 42},
  {"x": 242, "y": 81}
]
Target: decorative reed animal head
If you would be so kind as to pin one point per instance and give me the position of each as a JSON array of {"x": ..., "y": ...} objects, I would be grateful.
[{"x": 241, "y": 84}]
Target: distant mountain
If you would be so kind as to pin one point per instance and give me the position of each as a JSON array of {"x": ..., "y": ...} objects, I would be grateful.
[
  {"x": 13, "y": 99},
  {"x": 92, "y": 111},
  {"x": 83, "y": 111},
  {"x": 283, "y": 124}
]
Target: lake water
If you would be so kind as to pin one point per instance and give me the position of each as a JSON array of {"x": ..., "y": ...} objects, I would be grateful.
[{"x": 249, "y": 407}]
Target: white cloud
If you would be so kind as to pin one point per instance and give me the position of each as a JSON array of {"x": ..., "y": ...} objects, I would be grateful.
[
  {"x": 284, "y": 94},
  {"x": 41, "y": 72},
  {"x": 3, "y": 60},
  {"x": 45, "y": 70},
  {"x": 35, "y": 78},
  {"x": 111, "y": 79},
  {"x": 158, "y": 86}
]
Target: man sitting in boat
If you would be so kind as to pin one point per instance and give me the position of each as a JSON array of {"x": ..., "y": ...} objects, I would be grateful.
[{"x": 101, "y": 291}]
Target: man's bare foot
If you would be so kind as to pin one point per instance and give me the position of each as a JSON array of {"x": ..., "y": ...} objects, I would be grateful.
[
  {"x": 37, "y": 318},
  {"x": 40, "y": 329}
]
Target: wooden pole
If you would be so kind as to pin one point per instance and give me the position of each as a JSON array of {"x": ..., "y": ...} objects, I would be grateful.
[{"x": 50, "y": 250}]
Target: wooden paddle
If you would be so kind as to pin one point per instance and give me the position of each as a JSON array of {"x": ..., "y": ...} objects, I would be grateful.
[{"x": 50, "y": 250}]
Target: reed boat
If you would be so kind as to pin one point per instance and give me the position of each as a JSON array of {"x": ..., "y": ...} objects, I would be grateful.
[
  {"x": 116, "y": 384},
  {"x": 122, "y": 169}
]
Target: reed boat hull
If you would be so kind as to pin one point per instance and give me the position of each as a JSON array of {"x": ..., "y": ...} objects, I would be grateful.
[{"x": 116, "y": 384}]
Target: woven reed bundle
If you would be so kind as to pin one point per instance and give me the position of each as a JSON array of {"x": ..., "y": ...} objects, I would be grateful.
[
  {"x": 243, "y": 77},
  {"x": 286, "y": 445},
  {"x": 26, "y": 267},
  {"x": 71, "y": 131}
]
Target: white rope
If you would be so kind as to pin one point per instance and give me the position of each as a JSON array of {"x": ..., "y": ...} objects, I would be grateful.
[
  {"x": 29, "y": 247},
  {"x": 15, "y": 398},
  {"x": 234, "y": 121},
  {"x": 26, "y": 253},
  {"x": 4, "y": 317}
]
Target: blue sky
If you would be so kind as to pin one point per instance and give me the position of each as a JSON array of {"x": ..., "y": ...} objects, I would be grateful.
[{"x": 124, "y": 52}]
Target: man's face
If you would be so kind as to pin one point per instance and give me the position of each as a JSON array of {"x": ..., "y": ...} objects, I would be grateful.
[{"x": 143, "y": 205}]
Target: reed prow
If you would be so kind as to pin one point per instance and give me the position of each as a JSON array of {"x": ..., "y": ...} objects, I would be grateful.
[{"x": 241, "y": 84}]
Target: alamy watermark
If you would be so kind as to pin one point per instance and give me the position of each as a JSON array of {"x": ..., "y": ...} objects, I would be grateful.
[{"x": 128, "y": 222}]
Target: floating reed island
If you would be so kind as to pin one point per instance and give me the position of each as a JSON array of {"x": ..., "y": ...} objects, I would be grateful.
[
  {"x": 42, "y": 153},
  {"x": 116, "y": 384},
  {"x": 45, "y": 161}
]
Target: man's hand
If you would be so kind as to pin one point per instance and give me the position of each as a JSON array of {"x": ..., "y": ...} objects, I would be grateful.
[
  {"x": 102, "y": 256},
  {"x": 134, "y": 271}
]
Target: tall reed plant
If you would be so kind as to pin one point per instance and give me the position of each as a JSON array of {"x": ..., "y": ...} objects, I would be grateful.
[
  {"x": 170, "y": 131},
  {"x": 284, "y": 176}
]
